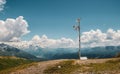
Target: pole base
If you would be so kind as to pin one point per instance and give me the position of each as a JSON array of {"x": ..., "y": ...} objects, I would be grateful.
[{"x": 83, "y": 58}]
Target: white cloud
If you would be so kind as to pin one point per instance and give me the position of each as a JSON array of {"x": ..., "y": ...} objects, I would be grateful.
[
  {"x": 2, "y": 3},
  {"x": 92, "y": 38},
  {"x": 36, "y": 38},
  {"x": 15, "y": 39},
  {"x": 44, "y": 41},
  {"x": 97, "y": 38},
  {"x": 13, "y": 29}
]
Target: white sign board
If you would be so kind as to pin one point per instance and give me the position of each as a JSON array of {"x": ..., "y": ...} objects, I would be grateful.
[{"x": 83, "y": 58}]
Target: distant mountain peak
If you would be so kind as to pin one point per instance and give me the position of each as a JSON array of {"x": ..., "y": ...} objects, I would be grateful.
[{"x": 6, "y": 50}]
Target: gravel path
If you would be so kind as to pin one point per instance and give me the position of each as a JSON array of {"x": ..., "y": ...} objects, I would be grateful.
[
  {"x": 41, "y": 66},
  {"x": 37, "y": 69},
  {"x": 93, "y": 61}
]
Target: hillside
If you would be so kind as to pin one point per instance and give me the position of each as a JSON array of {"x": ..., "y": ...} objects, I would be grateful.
[
  {"x": 37, "y": 53},
  {"x": 72, "y": 53},
  {"x": 7, "y": 62},
  {"x": 6, "y": 50},
  {"x": 94, "y": 66}
]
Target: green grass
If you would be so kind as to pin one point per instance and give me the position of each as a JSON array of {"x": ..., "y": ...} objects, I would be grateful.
[
  {"x": 8, "y": 64},
  {"x": 67, "y": 67},
  {"x": 19, "y": 67},
  {"x": 100, "y": 68},
  {"x": 111, "y": 65}
]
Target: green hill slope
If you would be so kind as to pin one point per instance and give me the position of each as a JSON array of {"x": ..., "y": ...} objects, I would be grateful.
[
  {"x": 11, "y": 62},
  {"x": 6, "y": 50},
  {"x": 92, "y": 66}
]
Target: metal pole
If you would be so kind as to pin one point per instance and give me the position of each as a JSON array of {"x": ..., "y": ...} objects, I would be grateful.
[{"x": 78, "y": 20}]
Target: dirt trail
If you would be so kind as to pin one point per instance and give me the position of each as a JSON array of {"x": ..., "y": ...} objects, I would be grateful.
[
  {"x": 93, "y": 61},
  {"x": 37, "y": 69},
  {"x": 41, "y": 66}
]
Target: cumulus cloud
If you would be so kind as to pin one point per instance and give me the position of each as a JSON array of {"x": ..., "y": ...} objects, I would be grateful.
[
  {"x": 12, "y": 29},
  {"x": 2, "y": 3},
  {"x": 95, "y": 38},
  {"x": 92, "y": 38},
  {"x": 36, "y": 38},
  {"x": 44, "y": 41}
]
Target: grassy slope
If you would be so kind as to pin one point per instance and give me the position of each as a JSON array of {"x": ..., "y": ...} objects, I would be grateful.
[
  {"x": 69, "y": 67},
  {"x": 112, "y": 66},
  {"x": 66, "y": 68},
  {"x": 11, "y": 63}
]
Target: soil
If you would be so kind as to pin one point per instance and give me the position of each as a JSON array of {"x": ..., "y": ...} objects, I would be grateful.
[{"x": 41, "y": 66}]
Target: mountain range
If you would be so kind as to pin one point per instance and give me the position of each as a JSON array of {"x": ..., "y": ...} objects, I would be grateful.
[
  {"x": 6, "y": 50},
  {"x": 34, "y": 53},
  {"x": 72, "y": 53}
]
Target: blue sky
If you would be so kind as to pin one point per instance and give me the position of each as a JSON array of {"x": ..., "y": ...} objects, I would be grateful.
[{"x": 55, "y": 18}]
